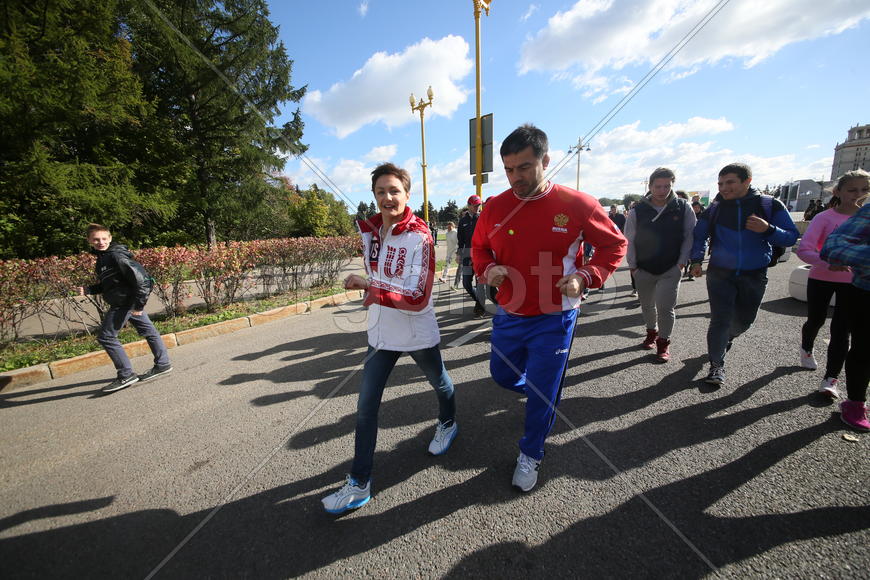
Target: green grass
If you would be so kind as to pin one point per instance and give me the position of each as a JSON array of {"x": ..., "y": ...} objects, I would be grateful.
[{"x": 31, "y": 352}]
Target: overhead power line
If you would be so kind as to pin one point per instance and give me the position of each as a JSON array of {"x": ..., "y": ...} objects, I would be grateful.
[{"x": 661, "y": 64}]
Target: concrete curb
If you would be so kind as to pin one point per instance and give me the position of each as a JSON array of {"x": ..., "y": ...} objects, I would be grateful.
[{"x": 19, "y": 378}]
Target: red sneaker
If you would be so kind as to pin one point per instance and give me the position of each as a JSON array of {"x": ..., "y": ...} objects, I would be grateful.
[
  {"x": 662, "y": 353},
  {"x": 650, "y": 340}
]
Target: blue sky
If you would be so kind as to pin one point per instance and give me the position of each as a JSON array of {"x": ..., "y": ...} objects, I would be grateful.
[{"x": 774, "y": 84}]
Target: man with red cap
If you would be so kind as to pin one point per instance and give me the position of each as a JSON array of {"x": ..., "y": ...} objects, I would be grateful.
[{"x": 465, "y": 232}]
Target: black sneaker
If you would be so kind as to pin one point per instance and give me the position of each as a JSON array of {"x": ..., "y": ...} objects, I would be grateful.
[
  {"x": 119, "y": 384},
  {"x": 716, "y": 376},
  {"x": 479, "y": 312},
  {"x": 154, "y": 373}
]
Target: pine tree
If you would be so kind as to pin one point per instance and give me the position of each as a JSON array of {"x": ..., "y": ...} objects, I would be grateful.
[
  {"x": 218, "y": 75},
  {"x": 67, "y": 96}
]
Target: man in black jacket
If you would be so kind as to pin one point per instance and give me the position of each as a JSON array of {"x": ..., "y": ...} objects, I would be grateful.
[
  {"x": 465, "y": 231},
  {"x": 125, "y": 285}
]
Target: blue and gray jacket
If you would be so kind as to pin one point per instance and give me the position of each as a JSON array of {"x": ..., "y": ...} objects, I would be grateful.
[{"x": 733, "y": 246}]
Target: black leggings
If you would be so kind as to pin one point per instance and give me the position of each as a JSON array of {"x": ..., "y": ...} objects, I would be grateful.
[
  {"x": 819, "y": 294},
  {"x": 858, "y": 362}
]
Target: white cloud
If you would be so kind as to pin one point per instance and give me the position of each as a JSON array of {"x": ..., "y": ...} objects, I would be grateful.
[
  {"x": 621, "y": 160},
  {"x": 378, "y": 92},
  {"x": 363, "y": 8},
  {"x": 595, "y": 38},
  {"x": 381, "y": 154},
  {"x": 532, "y": 9}
]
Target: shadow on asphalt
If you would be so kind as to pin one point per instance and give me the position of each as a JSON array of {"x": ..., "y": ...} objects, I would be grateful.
[
  {"x": 283, "y": 532},
  {"x": 10, "y": 399}
]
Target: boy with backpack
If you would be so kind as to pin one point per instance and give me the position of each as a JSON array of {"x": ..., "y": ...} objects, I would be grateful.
[
  {"x": 744, "y": 227},
  {"x": 125, "y": 286}
]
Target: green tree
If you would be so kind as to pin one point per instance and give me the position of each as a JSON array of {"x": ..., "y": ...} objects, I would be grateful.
[
  {"x": 373, "y": 209},
  {"x": 433, "y": 215},
  {"x": 449, "y": 213},
  {"x": 218, "y": 75},
  {"x": 68, "y": 96},
  {"x": 362, "y": 211},
  {"x": 630, "y": 197}
]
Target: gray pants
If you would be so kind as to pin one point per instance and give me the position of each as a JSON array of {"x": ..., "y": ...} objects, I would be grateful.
[
  {"x": 658, "y": 297},
  {"x": 114, "y": 321}
]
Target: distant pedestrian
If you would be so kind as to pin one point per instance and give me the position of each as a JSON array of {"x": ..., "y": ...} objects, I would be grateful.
[
  {"x": 400, "y": 267},
  {"x": 810, "y": 212},
  {"x": 825, "y": 281},
  {"x": 452, "y": 244},
  {"x": 659, "y": 233},
  {"x": 849, "y": 245},
  {"x": 617, "y": 218},
  {"x": 125, "y": 286},
  {"x": 467, "y": 224},
  {"x": 741, "y": 249}
]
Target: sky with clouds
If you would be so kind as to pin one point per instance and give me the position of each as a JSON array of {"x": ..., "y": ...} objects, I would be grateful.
[{"x": 774, "y": 84}]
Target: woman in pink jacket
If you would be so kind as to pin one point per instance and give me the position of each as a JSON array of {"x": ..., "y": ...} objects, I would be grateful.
[{"x": 826, "y": 281}]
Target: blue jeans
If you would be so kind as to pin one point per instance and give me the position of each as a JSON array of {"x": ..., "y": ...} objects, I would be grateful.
[
  {"x": 530, "y": 355},
  {"x": 734, "y": 302},
  {"x": 378, "y": 366},
  {"x": 113, "y": 322}
]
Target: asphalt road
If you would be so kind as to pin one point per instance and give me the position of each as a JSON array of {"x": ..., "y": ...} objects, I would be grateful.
[{"x": 217, "y": 470}]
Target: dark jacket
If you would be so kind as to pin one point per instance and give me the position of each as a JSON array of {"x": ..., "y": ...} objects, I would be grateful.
[
  {"x": 736, "y": 248},
  {"x": 658, "y": 238},
  {"x": 122, "y": 280},
  {"x": 465, "y": 229}
]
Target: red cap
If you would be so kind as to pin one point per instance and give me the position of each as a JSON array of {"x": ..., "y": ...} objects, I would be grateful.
[{"x": 474, "y": 200}]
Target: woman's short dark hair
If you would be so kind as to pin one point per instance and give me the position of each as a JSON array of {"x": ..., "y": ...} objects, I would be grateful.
[{"x": 391, "y": 169}]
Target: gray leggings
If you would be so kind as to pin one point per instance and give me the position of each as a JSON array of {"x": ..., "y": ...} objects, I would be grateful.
[{"x": 658, "y": 297}]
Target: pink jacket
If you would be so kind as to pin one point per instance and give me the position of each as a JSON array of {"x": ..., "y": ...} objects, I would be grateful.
[{"x": 811, "y": 244}]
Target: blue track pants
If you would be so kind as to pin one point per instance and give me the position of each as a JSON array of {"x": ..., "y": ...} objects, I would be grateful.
[{"x": 530, "y": 355}]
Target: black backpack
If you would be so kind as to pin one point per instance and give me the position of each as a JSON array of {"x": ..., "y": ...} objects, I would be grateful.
[{"x": 767, "y": 208}]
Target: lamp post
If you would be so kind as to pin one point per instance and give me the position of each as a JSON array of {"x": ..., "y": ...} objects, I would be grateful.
[
  {"x": 420, "y": 106},
  {"x": 578, "y": 148},
  {"x": 478, "y": 138}
]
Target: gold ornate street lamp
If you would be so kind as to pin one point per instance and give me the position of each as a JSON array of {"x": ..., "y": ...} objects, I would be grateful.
[
  {"x": 478, "y": 139},
  {"x": 419, "y": 106}
]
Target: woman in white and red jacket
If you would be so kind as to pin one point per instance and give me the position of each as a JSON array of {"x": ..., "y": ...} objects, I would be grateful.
[{"x": 399, "y": 258}]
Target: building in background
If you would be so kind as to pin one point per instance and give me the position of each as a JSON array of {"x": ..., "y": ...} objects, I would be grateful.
[{"x": 854, "y": 153}]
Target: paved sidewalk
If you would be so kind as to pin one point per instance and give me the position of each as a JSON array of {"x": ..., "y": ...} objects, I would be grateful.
[{"x": 217, "y": 470}]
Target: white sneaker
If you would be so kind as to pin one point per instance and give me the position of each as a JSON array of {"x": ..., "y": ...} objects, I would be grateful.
[
  {"x": 526, "y": 472},
  {"x": 444, "y": 436},
  {"x": 808, "y": 361},
  {"x": 350, "y": 496},
  {"x": 829, "y": 387}
]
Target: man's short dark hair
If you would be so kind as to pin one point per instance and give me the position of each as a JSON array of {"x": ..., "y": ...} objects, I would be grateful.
[
  {"x": 525, "y": 136},
  {"x": 662, "y": 173},
  {"x": 391, "y": 169},
  {"x": 742, "y": 170}
]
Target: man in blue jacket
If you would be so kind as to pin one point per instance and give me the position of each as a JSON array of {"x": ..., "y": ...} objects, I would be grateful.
[{"x": 742, "y": 228}]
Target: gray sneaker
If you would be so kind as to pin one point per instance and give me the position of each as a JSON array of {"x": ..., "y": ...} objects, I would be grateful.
[
  {"x": 444, "y": 436},
  {"x": 119, "y": 384},
  {"x": 716, "y": 376},
  {"x": 526, "y": 472},
  {"x": 155, "y": 372},
  {"x": 351, "y": 496}
]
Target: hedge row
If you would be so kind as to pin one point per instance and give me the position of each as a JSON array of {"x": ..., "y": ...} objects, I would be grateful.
[{"x": 222, "y": 274}]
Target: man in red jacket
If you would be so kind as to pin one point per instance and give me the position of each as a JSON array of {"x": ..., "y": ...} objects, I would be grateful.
[{"x": 528, "y": 243}]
